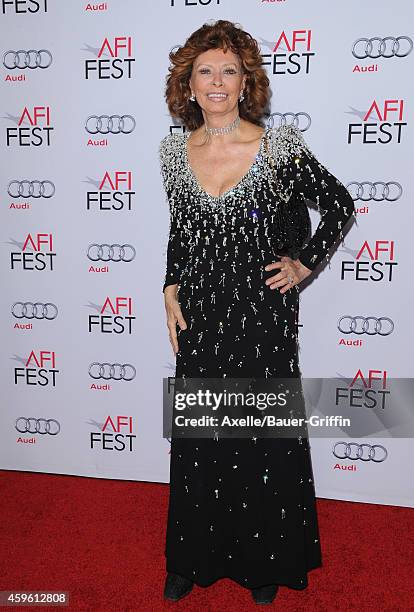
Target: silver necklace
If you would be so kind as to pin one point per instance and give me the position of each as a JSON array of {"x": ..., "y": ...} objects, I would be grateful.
[{"x": 224, "y": 130}]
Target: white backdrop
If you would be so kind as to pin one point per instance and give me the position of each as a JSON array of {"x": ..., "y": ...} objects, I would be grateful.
[{"x": 111, "y": 59}]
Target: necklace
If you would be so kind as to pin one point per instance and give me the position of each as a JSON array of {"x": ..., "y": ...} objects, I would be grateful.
[{"x": 224, "y": 130}]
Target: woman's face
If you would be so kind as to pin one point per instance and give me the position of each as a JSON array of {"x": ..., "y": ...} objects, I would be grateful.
[{"x": 217, "y": 80}]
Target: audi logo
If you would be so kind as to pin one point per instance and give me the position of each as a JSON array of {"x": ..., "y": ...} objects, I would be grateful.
[
  {"x": 365, "y": 452},
  {"x": 382, "y": 47},
  {"x": 31, "y": 189},
  {"x": 110, "y": 124},
  {"x": 112, "y": 371},
  {"x": 371, "y": 326},
  {"x": 377, "y": 191},
  {"x": 289, "y": 119},
  {"x": 37, "y": 426},
  {"x": 27, "y": 59},
  {"x": 111, "y": 252},
  {"x": 34, "y": 310}
]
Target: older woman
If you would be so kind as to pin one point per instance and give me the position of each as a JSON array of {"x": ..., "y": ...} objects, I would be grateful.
[{"x": 239, "y": 508}]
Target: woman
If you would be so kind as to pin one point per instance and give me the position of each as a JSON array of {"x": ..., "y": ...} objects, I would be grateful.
[{"x": 239, "y": 508}]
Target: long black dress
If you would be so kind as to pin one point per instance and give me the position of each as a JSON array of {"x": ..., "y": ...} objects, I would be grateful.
[{"x": 242, "y": 508}]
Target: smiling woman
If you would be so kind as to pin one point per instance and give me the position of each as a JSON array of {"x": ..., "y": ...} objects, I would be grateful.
[
  {"x": 218, "y": 78},
  {"x": 217, "y": 83},
  {"x": 239, "y": 70},
  {"x": 242, "y": 508}
]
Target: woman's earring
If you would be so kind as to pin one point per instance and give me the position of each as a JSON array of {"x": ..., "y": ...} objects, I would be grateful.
[
  {"x": 192, "y": 98},
  {"x": 241, "y": 97}
]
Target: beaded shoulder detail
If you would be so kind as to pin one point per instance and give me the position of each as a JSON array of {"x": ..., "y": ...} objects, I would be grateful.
[
  {"x": 170, "y": 159},
  {"x": 287, "y": 141}
]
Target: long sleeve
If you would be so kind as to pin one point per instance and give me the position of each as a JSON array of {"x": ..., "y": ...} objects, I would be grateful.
[
  {"x": 176, "y": 249},
  {"x": 176, "y": 255},
  {"x": 303, "y": 174}
]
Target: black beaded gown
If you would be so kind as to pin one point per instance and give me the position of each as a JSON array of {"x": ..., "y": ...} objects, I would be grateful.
[{"x": 243, "y": 508}]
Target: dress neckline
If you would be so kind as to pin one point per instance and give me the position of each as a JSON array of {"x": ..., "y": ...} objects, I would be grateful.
[{"x": 236, "y": 185}]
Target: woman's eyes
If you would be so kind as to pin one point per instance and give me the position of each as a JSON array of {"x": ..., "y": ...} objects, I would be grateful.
[{"x": 226, "y": 71}]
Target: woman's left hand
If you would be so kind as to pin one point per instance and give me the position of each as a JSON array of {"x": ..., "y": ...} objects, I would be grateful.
[{"x": 292, "y": 272}]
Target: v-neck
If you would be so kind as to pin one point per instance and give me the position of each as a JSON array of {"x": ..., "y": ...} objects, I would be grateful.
[{"x": 243, "y": 178}]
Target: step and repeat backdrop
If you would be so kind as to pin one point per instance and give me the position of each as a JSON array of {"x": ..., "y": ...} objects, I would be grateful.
[{"x": 84, "y": 226}]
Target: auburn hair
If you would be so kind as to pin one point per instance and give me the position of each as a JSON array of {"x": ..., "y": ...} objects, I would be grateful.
[{"x": 224, "y": 35}]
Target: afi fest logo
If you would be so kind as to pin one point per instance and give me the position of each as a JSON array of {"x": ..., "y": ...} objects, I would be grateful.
[
  {"x": 369, "y": 391},
  {"x": 39, "y": 369},
  {"x": 22, "y": 7},
  {"x": 33, "y": 128},
  {"x": 114, "y": 59},
  {"x": 382, "y": 123},
  {"x": 116, "y": 434},
  {"x": 113, "y": 192},
  {"x": 291, "y": 54},
  {"x": 35, "y": 254},
  {"x": 378, "y": 264},
  {"x": 185, "y": 3},
  {"x": 115, "y": 316}
]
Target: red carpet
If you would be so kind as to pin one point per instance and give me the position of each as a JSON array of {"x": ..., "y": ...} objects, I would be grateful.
[{"x": 102, "y": 540}]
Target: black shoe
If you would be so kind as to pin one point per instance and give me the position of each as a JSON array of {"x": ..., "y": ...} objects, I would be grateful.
[
  {"x": 265, "y": 594},
  {"x": 177, "y": 587}
]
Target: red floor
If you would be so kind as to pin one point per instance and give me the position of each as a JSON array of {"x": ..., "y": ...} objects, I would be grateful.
[{"x": 102, "y": 541}]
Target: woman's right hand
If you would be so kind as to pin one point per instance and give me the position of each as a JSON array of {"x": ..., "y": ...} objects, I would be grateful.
[{"x": 174, "y": 315}]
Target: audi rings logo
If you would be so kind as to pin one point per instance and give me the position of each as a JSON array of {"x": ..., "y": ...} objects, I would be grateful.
[
  {"x": 37, "y": 426},
  {"x": 364, "y": 452},
  {"x": 112, "y": 371},
  {"x": 31, "y": 189},
  {"x": 111, "y": 252},
  {"x": 34, "y": 310},
  {"x": 110, "y": 124},
  {"x": 300, "y": 120},
  {"x": 383, "y": 326},
  {"x": 377, "y": 191},
  {"x": 27, "y": 59},
  {"x": 382, "y": 47}
]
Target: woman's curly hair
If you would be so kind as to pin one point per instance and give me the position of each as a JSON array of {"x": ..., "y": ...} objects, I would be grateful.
[{"x": 224, "y": 35}]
